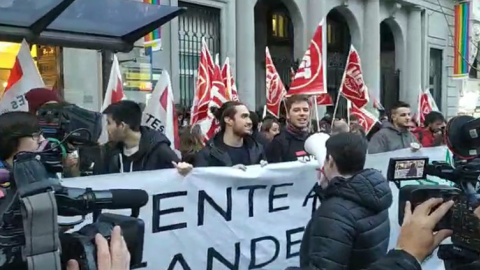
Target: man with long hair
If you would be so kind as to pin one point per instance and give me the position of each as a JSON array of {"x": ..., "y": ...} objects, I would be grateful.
[{"x": 233, "y": 145}]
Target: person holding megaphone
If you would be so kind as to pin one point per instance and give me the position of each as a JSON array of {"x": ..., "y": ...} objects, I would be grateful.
[{"x": 351, "y": 228}]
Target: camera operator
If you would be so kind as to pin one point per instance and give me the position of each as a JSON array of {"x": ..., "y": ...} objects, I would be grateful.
[
  {"x": 113, "y": 257},
  {"x": 417, "y": 240},
  {"x": 19, "y": 132}
]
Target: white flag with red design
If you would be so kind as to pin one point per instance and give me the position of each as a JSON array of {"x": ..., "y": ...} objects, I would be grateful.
[
  {"x": 275, "y": 90},
  {"x": 114, "y": 91},
  {"x": 159, "y": 114},
  {"x": 365, "y": 118},
  {"x": 310, "y": 78},
  {"x": 426, "y": 104},
  {"x": 203, "y": 87},
  {"x": 228, "y": 81},
  {"x": 24, "y": 76},
  {"x": 113, "y": 94},
  {"x": 353, "y": 87}
]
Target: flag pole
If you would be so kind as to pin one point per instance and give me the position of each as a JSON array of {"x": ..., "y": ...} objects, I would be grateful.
[
  {"x": 316, "y": 112},
  {"x": 348, "y": 111},
  {"x": 336, "y": 108}
]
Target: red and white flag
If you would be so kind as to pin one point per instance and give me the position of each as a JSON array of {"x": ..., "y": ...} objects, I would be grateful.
[
  {"x": 376, "y": 104},
  {"x": 219, "y": 96},
  {"x": 113, "y": 94},
  {"x": 310, "y": 78},
  {"x": 24, "y": 76},
  {"x": 275, "y": 90},
  {"x": 353, "y": 87},
  {"x": 203, "y": 87},
  {"x": 228, "y": 81},
  {"x": 324, "y": 99},
  {"x": 365, "y": 118},
  {"x": 426, "y": 104},
  {"x": 159, "y": 113},
  {"x": 114, "y": 91}
]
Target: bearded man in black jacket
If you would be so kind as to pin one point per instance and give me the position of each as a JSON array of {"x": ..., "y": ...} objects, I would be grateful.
[
  {"x": 234, "y": 145},
  {"x": 351, "y": 229}
]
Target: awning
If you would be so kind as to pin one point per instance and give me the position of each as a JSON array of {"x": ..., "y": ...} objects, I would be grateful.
[{"x": 90, "y": 24}]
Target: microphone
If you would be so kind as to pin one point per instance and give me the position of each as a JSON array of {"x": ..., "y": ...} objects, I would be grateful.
[{"x": 79, "y": 201}]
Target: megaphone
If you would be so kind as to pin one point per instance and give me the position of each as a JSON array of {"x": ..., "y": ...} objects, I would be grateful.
[{"x": 315, "y": 145}]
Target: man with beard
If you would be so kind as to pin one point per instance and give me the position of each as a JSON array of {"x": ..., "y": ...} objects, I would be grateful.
[
  {"x": 289, "y": 144},
  {"x": 233, "y": 145},
  {"x": 394, "y": 135},
  {"x": 433, "y": 133}
]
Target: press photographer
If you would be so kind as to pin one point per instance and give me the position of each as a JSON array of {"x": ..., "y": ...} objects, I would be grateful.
[
  {"x": 31, "y": 197},
  {"x": 462, "y": 198}
]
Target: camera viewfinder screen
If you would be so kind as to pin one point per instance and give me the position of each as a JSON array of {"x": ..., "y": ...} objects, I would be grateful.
[{"x": 409, "y": 169}]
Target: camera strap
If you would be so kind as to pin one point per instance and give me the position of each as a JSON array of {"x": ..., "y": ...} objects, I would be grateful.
[
  {"x": 39, "y": 213},
  {"x": 42, "y": 245}
]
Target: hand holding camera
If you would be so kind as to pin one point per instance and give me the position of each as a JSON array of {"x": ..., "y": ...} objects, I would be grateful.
[
  {"x": 115, "y": 257},
  {"x": 417, "y": 236}
]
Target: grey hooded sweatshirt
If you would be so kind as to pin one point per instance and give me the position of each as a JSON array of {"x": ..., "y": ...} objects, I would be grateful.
[{"x": 390, "y": 138}]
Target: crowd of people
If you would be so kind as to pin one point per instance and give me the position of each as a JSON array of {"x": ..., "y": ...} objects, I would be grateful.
[{"x": 350, "y": 229}]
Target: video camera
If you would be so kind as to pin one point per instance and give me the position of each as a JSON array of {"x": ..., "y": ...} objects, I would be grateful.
[
  {"x": 66, "y": 127},
  {"x": 68, "y": 121},
  {"x": 30, "y": 236},
  {"x": 462, "y": 134}
]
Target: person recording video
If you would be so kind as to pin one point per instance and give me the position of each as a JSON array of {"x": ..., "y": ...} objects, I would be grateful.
[
  {"x": 109, "y": 257},
  {"x": 19, "y": 132},
  {"x": 417, "y": 239}
]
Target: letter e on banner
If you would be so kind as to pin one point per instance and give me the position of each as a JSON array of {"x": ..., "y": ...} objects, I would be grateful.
[{"x": 157, "y": 212}]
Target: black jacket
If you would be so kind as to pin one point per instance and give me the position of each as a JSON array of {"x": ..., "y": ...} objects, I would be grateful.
[
  {"x": 396, "y": 260},
  {"x": 154, "y": 153},
  {"x": 350, "y": 230},
  {"x": 260, "y": 138},
  {"x": 214, "y": 154},
  {"x": 285, "y": 147}
]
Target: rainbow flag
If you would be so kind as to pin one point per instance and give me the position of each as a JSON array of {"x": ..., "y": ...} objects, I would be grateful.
[
  {"x": 153, "y": 40},
  {"x": 461, "y": 40}
]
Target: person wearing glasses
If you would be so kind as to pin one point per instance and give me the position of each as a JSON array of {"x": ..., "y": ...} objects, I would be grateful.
[{"x": 19, "y": 132}]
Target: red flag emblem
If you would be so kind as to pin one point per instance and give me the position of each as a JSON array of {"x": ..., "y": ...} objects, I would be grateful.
[
  {"x": 310, "y": 76},
  {"x": 353, "y": 87}
]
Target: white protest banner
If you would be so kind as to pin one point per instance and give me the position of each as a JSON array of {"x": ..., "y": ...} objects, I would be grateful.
[{"x": 223, "y": 218}]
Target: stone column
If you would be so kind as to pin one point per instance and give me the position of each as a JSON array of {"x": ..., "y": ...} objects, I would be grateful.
[
  {"x": 245, "y": 57},
  {"x": 414, "y": 58},
  {"x": 371, "y": 47},
  {"x": 316, "y": 12}
]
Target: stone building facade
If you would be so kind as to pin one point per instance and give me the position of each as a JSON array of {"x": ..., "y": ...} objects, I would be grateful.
[{"x": 405, "y": 45}]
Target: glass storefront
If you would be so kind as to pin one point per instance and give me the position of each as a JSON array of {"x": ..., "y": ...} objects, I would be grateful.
[
  {"x": 46, "y": 58},
  {"x": 139, "y": 78}
]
